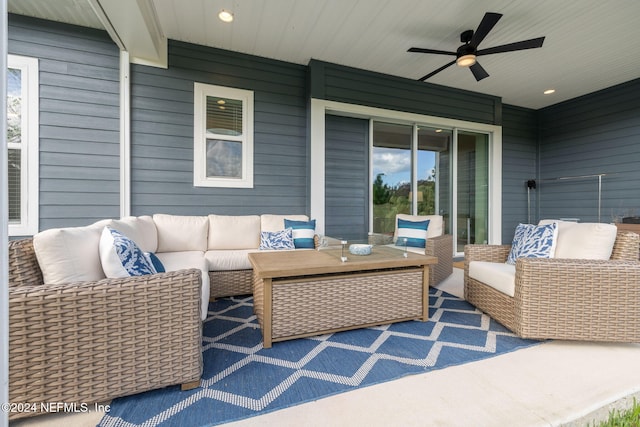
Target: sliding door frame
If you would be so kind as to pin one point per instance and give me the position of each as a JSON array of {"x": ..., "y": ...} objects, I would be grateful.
[{"x": 320, "y": 107}]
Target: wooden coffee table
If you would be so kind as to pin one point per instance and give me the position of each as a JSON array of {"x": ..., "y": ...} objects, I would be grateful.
[{"x": 304, "y": 293}]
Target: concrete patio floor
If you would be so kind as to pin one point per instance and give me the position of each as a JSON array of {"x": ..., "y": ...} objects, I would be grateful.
[{"x": 559, "y": 383}]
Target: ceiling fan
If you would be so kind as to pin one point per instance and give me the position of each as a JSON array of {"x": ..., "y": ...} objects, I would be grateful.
[{"x": 467, "y": 53}]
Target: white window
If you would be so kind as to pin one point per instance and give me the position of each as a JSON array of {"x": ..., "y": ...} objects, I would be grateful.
[
  {"x": 22, "y": 144},
  {"x": 223, "y": 137}
]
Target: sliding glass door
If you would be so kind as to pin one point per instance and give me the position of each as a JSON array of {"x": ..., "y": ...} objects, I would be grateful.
[
  {"x": 425, "y": 170},
  {"x": 405, "y": 169},
  {"x": 472, "y": 189}
]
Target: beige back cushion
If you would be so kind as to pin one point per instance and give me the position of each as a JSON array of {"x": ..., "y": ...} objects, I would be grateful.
[
  {"x": 435, "y": 228},
  {"x": 140, "y": 229},
  {"x": 70, "y": 254},
  {"x": 588, "y": 240},
  {"x": 271, "y": 222},
  {"x": 181, "y": 232},
  {"x": 234, "y": 231}
]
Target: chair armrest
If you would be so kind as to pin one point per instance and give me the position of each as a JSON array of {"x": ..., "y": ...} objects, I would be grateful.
[
  {"x": 440, "y": 246},
  {"x": 578, "y": 299},
  {"x": 488, "y": 253}
]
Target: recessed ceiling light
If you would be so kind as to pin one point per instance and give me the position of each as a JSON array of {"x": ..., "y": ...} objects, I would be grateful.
[
  {"x": 225, "y": 16},
  {"x": 549, "y": 91}
]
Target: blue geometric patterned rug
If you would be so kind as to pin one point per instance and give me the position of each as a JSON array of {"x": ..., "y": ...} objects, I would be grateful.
[{"x": 241, "y": 379}]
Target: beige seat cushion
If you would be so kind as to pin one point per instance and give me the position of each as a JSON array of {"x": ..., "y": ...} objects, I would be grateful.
[
  {"x": 229, "y": 259},
  {"x": 234, "y": 232},
  {"x": 70, "y": 254},
  {"x": 174, "y": 261},
  {"x": 181, "y": 232},
  {"x": 500, "y": 276}
]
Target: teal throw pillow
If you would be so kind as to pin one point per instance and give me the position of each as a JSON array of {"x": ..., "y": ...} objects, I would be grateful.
[
  {"x": 415, "y": 233},
  {"x": 303, "y": 233}
]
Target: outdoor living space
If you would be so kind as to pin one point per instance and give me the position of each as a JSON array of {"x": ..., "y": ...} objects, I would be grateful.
[
  {"x": 555, "y": 383},
  {"x": 312, "y": 213}
]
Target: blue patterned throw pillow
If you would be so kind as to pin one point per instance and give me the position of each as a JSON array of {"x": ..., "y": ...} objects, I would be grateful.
[
  {"x": 531, "y": 241},
  {"x": 303, "y": 233},
  {"x": 414, "y": 231},
  {"x": 155, "y": 261},
  {"x": 277, "y": 240},
  {"x": 121, "y": 256}
]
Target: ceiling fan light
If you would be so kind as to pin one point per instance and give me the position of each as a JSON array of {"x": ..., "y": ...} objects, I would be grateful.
[{"x": 466, "y": 60}]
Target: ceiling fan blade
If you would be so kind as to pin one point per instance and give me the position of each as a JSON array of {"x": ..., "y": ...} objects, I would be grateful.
[
  {"x": 437, "y": 71},
  {"x": 422, "y": 50},
  {"x": 489, "y": 20},
  {"x": 478, "y": 72},
  {"x": 525, "y": 44}
]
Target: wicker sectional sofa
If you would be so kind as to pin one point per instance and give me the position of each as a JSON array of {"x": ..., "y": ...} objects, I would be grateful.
[
  {"x": 76, "y": 336},
  {"x": 561, "y": 298}
]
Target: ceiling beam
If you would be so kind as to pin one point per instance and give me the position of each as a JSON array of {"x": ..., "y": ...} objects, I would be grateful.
[{"x": 133, "y": 26}]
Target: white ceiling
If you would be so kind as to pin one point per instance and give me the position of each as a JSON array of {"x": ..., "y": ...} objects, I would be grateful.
[{"x": 590, "y": 44}]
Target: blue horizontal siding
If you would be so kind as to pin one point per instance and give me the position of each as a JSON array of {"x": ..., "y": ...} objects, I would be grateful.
[
  {"x": 162, "y": 134},
  {"x": 79, "y": 119}
]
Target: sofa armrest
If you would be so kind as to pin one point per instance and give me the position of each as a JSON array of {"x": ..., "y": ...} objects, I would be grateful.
[
  {"x": 578, "y": 299},
  {"x": 94, "y": 341}
]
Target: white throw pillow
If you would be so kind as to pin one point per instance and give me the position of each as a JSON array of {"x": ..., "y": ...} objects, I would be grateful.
[
  {"x": 121, "y": 256},
  {"x": 69, "y": 255}
]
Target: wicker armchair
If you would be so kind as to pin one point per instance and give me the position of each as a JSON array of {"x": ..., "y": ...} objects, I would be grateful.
[
  {"x": 93, "y": 341},
  {"x": 564, "y": 298}
]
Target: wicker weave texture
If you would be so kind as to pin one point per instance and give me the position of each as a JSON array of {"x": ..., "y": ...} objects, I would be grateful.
[
  {"x": 94, "y": 341},
  {"x": 496, "y": 304},
  {"x": 326, "y": 304},
  {"x": 591, "y": 300},
  {"x": 626, "y": 246},
  {"x": 440, "y": 247},
  {"x": 230, "y": 282},
  {"x": 578, "y": 300}
]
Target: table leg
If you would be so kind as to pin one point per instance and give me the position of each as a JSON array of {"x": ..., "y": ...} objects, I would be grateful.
[
  {"x": 425, "y": 293},
  {"x": 267, "y": 317}
]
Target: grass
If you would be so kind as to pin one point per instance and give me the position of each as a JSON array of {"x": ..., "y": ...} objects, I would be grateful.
[{"x": 627, "y": 418}]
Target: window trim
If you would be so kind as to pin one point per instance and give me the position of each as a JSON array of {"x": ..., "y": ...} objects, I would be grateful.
[
  {"x": 29, "y": 191},
  {"x": 200, "y": 93}
]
